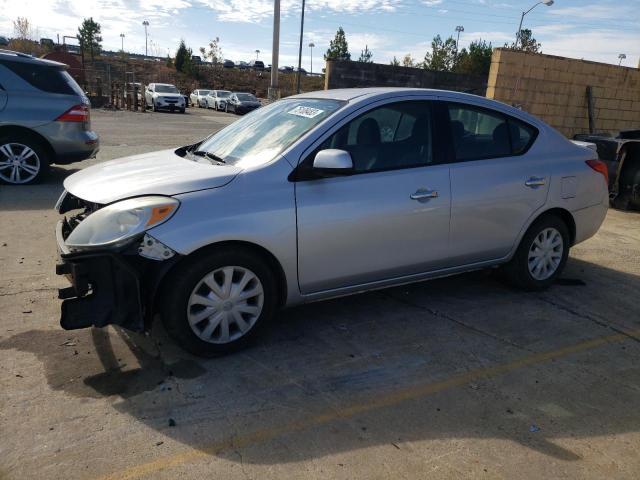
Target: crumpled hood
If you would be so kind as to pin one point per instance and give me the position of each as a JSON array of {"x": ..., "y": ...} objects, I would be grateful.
[{"x": 155, "y": 173}]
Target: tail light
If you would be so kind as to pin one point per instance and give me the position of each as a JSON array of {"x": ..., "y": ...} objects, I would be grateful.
[
  {"x": 77, "y": 113},
  {"x": 599, "y": 167}
]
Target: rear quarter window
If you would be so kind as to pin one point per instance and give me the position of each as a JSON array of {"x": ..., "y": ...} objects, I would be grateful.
[{"x": 45, "y": 78}]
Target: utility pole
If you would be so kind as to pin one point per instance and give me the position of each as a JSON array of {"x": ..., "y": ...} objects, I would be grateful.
[
  {"x": 459, "y": 29},
  {"x": 122, "y": 38},
  {"x": 146, "y": 24},
  {"x": 300, "y": 49},
  {"x": 257, "y": 53},
  {"x": 273, "y": 88},
  {"x": 621, "y": 57},
  {"x": 311, "y": 45}
]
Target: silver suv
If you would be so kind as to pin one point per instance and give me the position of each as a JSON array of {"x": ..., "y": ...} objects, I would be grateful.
[{"x": 44, "y": 118}]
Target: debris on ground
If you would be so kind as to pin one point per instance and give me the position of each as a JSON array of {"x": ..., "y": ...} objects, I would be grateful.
[
  {"x": 159, "y": 443},
  {"x": 69, "y": 343},
  {"x": 534, "y": 428},
  {"x": 27, "y": 311}
]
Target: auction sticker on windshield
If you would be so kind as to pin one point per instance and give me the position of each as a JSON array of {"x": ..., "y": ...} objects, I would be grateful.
[{"x": 307, "y": 112}]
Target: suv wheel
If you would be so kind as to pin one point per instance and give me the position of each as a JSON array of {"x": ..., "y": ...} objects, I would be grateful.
[
  {"x": 23, "y": 160},
  {"x": 216, "y": 304},
  {"x": 541, "y": 255}
]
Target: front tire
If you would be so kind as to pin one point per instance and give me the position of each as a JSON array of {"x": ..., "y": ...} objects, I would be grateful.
[
  {"x": 217, "y": 302},
  {"x": 23, "y": 159},
  {"x": 541, "y": 255}
]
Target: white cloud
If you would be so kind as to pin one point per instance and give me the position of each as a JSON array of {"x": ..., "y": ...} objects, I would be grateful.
[{"x": 254, "y": 11}]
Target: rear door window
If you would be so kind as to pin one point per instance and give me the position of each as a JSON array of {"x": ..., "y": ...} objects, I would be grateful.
[
  {"x": 46, "y": 78},
  {"x": 478, "y": 133},
  {"x": 522, "y": 135}
]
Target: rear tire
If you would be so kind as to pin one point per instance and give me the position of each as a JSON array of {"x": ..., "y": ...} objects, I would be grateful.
[
  {"x": 212, "y": 283},
  {"x": 541, "y": 255},
  {"x": 23, "y": 159}
]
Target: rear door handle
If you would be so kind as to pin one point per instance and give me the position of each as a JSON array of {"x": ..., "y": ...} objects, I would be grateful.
[
  {"x": 535, "y": 182},
  {"x": 423, "y": 194}
]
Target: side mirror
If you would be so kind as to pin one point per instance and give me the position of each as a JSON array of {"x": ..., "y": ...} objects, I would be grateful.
[{"x": 332, "y": 162}]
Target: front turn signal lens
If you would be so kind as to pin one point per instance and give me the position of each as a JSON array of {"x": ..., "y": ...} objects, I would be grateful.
[{"x": 158, "y": 214}]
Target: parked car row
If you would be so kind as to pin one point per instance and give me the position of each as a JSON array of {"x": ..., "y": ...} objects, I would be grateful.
[{"x": 224, "y": 100}]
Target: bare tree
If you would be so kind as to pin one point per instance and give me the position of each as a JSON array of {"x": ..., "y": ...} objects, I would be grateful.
[{"x": 23, "y": 37}]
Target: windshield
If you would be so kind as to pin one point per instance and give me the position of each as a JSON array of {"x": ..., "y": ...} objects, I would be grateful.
[
  {"x": 246, "y": 97},
  {"x": 205, "y": 92},
  {"x": 258, "y": 137},
  {"x": 166, "y": 89},
  {"x": 224, "y": 93}
]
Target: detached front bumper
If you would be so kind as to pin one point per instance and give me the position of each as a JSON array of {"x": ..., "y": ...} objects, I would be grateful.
[{"x": 105, "y": 289}]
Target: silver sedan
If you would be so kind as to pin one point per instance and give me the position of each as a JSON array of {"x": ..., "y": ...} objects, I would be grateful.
[{"x": 320, "y": 195}]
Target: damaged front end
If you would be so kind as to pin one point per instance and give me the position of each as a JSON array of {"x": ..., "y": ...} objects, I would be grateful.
[{"x": 111, "y": 284}]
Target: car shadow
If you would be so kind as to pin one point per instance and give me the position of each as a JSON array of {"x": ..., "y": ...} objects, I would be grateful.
[{"x": 389, "y": 367}]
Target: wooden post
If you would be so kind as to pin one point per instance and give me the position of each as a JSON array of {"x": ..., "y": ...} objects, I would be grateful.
[{"x": 592, "y": 123}]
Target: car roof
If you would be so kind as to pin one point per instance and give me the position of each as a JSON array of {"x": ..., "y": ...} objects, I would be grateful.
[
  {"x": 12, "y": 56},
  {"x": 353, "y": 95}
]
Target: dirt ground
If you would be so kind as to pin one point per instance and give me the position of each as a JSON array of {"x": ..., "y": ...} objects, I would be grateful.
[{"x": 455, "y": 378}]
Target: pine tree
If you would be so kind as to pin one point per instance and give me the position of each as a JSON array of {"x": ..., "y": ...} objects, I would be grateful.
[
  {"x": 338, "y": 47},
  {"x": 89, "y": 37},
  {"x": 183, "y": 58},
  {"x": 442, "y": 56},
  {"x": 366, "y": 55}
]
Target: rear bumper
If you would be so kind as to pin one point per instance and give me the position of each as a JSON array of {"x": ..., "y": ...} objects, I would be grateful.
[
  {"x": 70, "y": 142},
  {"x": 588, "y": 221}
]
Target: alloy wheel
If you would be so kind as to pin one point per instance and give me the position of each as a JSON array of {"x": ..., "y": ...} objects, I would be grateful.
[
  {"x": 19, "y": 163},
  {"x": 545, "y": 254},
  {"x": 225, "y": 304}
]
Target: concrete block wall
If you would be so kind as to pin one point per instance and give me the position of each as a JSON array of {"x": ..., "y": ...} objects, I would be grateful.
[
  {"x": 555, "y": 89},
  {"x": 349, "y": 74}
]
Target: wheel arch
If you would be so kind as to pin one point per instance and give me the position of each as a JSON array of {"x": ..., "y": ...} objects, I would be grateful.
[
  {"x": 564, "y": 215},
  {"x": 256, "y": 249},
  {"x": 18, "y": 129}
]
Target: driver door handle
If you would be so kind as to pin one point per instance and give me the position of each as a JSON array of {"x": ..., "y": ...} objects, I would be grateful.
[{"x": 423, "y": 194}]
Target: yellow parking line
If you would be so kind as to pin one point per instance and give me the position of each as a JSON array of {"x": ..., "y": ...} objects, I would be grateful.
[{"x": 394, "y": 398}]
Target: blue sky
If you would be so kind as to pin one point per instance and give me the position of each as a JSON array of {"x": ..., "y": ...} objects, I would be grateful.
[{"x": 593, "y": 30}]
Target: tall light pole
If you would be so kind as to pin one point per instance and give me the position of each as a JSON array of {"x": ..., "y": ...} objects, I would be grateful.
[
  {"x": 548, "y": 3},
  {"x": 300, "y": 49},
  {"x": 459, "y": 29},
  {"x": 311, "y": 45},
  {"x": 257, "y": 53},
  {"x": 273, "y": 88},
  {"x": 146, "y": 24},
  {"x": 122, "y": 38},
  {"x": 621, "y": 57}
]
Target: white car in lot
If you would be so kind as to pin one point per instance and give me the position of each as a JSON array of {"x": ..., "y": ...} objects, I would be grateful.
[
  {"x": 164, "y": 96},
  {"x": 316, "y": 196},
  {"x": 217, "y": 99},
  {"x": 199, "y": 98}
]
